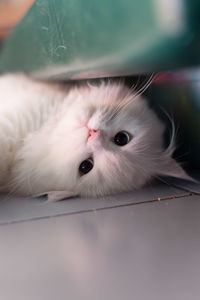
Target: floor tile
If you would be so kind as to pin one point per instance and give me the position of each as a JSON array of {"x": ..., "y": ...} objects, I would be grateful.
[
  {"x": 147, "y": 251},
  {"x": 186, "y": 185},
  {"x": 14, "y": 209}
]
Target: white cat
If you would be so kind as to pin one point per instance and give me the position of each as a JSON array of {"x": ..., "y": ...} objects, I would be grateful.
[{"x": 78, "y": 140}]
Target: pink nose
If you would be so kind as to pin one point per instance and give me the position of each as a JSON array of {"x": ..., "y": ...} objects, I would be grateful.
[{"x": 93, "y": 133}]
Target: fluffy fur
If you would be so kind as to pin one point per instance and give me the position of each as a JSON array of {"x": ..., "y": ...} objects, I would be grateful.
[{"x": 44, "y": 138}]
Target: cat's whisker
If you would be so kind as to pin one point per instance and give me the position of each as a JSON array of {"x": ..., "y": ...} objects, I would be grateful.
[
  {"x": 15, "y": 184},
  {"x": 12, "y": 192},
  {"x": 134, "y": 86},
  {"x": 173, "y": 132},
  {"x": 29, "y": 181},
  {"x": 146, "y": 85},
  {"x": 140, "y": 91},
  {"x": 130, "y": 97},
  {"x": 138, "y": 85},
  {"x": 125, "y": 102},
  {"x": 128, "y": 101}
]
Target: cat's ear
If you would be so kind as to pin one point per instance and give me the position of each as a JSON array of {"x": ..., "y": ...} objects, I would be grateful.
[
  {"x": 172, "y": 169},
  {"x": 59, "y": 195}
]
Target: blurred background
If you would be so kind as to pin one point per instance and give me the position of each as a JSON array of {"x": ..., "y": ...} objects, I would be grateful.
[{"x": 11, "y": 11}]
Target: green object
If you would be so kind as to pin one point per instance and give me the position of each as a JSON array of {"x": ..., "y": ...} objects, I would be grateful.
[{"x": 91, "y": 38}]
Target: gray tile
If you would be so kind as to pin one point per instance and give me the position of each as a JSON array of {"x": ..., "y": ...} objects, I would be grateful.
[
  {"x": 191, "y": 186},
  {"x": 149, "y": 251},
  {"x": 15, "y": 209}
]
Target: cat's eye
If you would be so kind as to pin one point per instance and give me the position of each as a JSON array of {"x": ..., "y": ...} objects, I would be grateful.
[
  {"x": 86, "y": 166},
  {"x": 122, "y": 138}
]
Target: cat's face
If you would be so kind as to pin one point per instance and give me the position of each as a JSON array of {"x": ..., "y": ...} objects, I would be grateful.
[{"x": 105, "y": 141}]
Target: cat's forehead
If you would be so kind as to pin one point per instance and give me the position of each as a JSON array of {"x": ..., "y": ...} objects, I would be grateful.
[{"x": 105, "y": 92}]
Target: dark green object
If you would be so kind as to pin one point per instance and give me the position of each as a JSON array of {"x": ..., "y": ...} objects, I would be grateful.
[{"x": 91, "y": 38}]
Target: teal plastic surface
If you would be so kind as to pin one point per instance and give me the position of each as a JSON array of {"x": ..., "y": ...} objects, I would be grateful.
[{"x": 91, "y": 38}]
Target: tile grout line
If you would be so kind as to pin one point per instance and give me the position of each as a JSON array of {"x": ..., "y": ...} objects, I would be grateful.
[
  {"x": 188, "y": 190},
  {"x": 94, "y": 210}
]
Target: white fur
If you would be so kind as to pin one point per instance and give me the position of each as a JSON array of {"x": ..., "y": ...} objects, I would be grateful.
[{"x": 43, "y": 139}]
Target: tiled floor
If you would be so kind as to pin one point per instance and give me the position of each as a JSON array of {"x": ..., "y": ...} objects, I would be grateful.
[{"x": 141, "y": 245}]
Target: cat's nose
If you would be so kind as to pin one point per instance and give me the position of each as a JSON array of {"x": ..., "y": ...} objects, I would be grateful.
[{"x": 93, "y": 133}]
